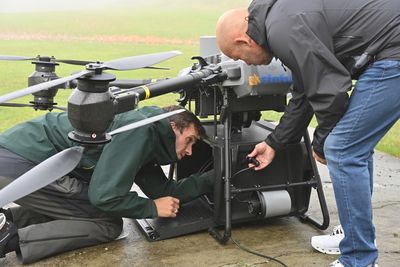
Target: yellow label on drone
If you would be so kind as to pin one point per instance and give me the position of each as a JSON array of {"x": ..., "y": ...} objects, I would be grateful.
[{"x": 254, "y": 80}]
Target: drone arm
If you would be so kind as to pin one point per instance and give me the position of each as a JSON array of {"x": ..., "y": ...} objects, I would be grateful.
[
  {"x": 132, "y": 83},
  {"x": 128, "y": 99},
  {"x": 120, "y": 83}
]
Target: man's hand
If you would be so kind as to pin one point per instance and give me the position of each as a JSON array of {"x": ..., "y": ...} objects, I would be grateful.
[
  {"x": 264, "y": 154},
  {"x": 318, "y": 158},
  {"x": 167, "y": 206}
]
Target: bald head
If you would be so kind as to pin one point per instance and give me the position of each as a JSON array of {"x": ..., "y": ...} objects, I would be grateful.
[
  {"x": 230, "y": 26},
  {"x": 233, "y": 40}
]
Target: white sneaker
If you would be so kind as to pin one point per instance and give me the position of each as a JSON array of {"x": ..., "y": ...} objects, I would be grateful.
[
  {"x": 328, "y": 244},
  {"x": 337, "y": 263}
]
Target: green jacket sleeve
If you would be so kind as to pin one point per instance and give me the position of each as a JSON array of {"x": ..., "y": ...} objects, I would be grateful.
[
  {"x": 115, "y": 172},
  {"x": 155, "y": 184}
]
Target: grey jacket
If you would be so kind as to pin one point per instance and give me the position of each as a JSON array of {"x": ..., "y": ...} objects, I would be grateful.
[{"x": 317, "y": 40}]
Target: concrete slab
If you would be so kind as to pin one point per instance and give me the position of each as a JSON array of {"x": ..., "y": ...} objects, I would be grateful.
[{"x": 286, "y": 239}]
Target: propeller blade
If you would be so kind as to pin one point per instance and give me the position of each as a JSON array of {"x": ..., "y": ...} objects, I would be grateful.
[
  {"x": 137, "y": 62},
  {"x": 67, "y": 61},
  {"x": 75, "y": 62},
  {"x": 145, "y": 122},
  {"x": 4, "y": 57},
  {"x": 41, "y": 175},
  {"x": 20, "y": 105},
  {"x": 60, "y": 108},
  {"x": 16, "y": 105},
  {"x": 41, "y": 86},
  {"x": 157, "y": 68}
]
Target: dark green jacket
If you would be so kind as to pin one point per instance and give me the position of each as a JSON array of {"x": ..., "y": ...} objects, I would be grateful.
[{"x": 131, "y": 157}]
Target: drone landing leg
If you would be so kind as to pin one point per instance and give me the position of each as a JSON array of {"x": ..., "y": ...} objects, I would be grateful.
[
  {"x": 227, "y": 173},
  {"x": 321, "y": 197}
]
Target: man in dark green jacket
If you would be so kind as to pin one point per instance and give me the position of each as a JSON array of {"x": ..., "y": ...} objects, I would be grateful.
[{"x": 86, "y": 207}]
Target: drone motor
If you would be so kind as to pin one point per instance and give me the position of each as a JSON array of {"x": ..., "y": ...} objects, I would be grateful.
[{"x": 44, "y": 72}]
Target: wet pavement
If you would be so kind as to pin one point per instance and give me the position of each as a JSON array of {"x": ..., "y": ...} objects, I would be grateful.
[{"x": 286, "y": 239}]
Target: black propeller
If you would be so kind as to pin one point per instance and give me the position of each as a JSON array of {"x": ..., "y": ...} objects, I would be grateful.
[
  {"x": 46, "y": 59},
  {"x": 4, "y": 57},
  {"x": 129, "y": 63},
  {"x": 59, "y": 165},
  {"x": 21, "y": 105},
  {"x": 138, "y": 62},
  {"x": 67, "y": 61}
]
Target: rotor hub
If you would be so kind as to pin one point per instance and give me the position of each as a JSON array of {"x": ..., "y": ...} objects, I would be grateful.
[
  {"x": 97, "y": 67},
  {"x": 45, "y": 64},
  {"x": 89, "y": 139},
  {"x": 43, "y": 103},
  {"x": 97, "y": 83}
]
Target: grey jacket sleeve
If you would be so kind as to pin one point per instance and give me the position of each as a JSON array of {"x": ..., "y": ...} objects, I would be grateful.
[
  {"x": 319, "y": 78},
  {"x": 298, "y": 113}
]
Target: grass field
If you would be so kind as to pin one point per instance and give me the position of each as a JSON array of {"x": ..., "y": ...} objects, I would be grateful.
[{"x": 112, "y": 30}]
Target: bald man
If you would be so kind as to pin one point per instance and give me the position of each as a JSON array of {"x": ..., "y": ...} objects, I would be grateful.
[{"x": 326, "y": 44}]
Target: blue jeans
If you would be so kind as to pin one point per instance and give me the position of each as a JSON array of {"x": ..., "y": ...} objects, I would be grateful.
[{"x": 373, "y": 109}]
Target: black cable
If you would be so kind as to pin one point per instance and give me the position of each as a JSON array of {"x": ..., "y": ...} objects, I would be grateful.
[
  {"x": 257, "y": 253},
  {"x": 242, "y": 170},
  {"x": 250, "y": 160},
  {"x": 237, "y": 173},
  {"x": 245, "y": 248}
]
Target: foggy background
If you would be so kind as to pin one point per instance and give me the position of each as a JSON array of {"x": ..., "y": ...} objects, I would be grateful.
[{"x": 21, "y": 6}]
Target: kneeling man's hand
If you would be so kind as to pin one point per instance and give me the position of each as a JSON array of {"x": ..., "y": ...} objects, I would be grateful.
[{"x": 167, "y": 206}]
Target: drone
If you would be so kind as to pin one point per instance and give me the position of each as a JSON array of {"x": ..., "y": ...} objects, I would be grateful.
[{"x": 233, "y": 92}]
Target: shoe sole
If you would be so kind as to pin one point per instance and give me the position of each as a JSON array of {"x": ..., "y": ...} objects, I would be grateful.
[{"x": 330, "y": 251}]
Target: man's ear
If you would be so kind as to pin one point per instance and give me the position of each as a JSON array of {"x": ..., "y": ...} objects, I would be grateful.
[
  {"x": 173, "y": 125},
  {"x": 243, "y": 40}
]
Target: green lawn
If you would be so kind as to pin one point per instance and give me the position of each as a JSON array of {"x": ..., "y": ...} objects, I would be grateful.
[{"x": 113, "y": 32}]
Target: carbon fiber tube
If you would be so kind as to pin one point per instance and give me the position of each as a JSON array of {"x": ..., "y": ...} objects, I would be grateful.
[{"x": 125, "y": 97}]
